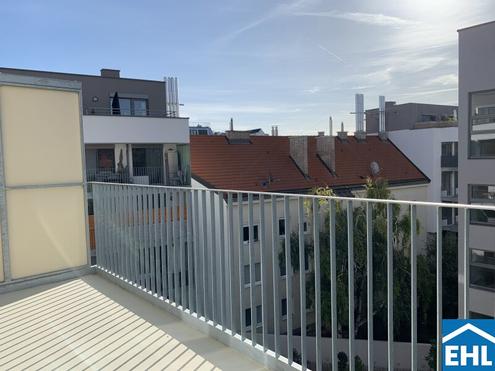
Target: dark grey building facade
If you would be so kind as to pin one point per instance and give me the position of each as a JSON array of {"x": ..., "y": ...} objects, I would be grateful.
[{"x": 409, "y": 115}]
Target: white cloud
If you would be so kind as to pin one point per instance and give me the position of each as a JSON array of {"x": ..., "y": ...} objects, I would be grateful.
[
  {"x": 313, "y": 90},
  {"x": 279, "y": 10},
  {"x": 330, "y": 53},
  {"x": 444, "y": 80},
  {"x": 376, "y": 19}
]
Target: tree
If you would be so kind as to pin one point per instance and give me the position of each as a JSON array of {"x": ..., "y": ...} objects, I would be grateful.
[{"x": 401, "y": 227}]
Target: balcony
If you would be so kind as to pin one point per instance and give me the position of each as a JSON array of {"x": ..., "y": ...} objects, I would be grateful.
[
  {"x": 449, "y": 161},
  {"x": 169, "y": 290},
  {"x": 101, "y": 126}
]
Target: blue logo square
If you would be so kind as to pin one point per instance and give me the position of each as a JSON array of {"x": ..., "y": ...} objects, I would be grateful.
[{"x": 468, "y": 344}]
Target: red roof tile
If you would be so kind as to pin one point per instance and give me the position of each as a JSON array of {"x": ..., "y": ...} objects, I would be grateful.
[{"x": 265, "y": 164}]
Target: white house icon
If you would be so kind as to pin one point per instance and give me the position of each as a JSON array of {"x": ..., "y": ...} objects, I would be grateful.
[{"x": 458, "y": 355}]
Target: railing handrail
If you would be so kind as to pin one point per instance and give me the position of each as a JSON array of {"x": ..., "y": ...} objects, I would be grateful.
[
  {"x": 103, "y": 111},
  {"x": 320, "y": 197}
]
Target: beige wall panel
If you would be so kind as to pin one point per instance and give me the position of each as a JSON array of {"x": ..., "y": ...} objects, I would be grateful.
[
  {"x": 46, "y": 230},
  {"x": 41, "y": 136}
]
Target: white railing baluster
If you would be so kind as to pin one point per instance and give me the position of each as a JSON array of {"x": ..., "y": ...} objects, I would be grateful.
[
  {"x": 302, "y": 280},
  {"x": 333, "y": 283},
  {"x": 213, "y": 259},
  {"x": 231, "y": 257},
  {"x": 275, "y": 277},
  {"x": 467, "y": 257},
  {"x": 242, "y": 321},
  {"x": 252, "y": 278},
  {"x": 414, "y": 292},
  {"x": 316, "y": 239},
  {"x": 262, "y": 238},
  {"x": 197, "y": 256},
  {"x": 350, "y": 283},
  {"x": 190, "y": 246},
  {"x": 288, "y": 279},
  {"x": 221, "y": 274},
  {"x": 204, "y": 245},
  {"x": 369, "y": 282},
  {"x": 439, "y": 287},
  {"x": 390, "y": 287}
]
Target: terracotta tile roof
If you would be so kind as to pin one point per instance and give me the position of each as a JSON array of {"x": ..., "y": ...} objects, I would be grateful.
[{"x": 266, "y": 165}]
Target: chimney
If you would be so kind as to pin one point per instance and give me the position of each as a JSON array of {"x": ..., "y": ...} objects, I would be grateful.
[
  {"x": 325, "y": 149},
  {"x": 342, "y": 134},
  {"x": 299, "y": 153},
  {"x": 330, "y": 124},
  {"x": 360, "y": 134},
  {"x": 382, "y": 133},
  {"x": 238, "y": 137},
  {"x": 231, "y": 126},
  {"x": 107, "y": 72},
  {"x": 171, "y": 96}
]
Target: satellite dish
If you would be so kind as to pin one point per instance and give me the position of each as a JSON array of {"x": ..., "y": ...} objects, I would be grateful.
[{"x": 375, "y": 168}]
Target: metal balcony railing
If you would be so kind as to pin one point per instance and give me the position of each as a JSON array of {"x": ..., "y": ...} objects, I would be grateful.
[
  {"x": 148, "y": 175},
  {"x": 108, "y": 111},
  {"x": 187, "y": 248},
  {"x": 109, "y": 175},
  {"x": 450, "y": 161}
]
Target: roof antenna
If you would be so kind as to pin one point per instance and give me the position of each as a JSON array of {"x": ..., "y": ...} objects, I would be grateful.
[{"x": 231, "y": 124}]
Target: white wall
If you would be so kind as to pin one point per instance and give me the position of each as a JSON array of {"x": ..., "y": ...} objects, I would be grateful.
[
  {"x": 122, "y": 129},
  {"x": 424, "y": 148}
]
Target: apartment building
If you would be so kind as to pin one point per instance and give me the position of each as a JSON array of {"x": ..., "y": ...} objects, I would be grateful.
[
  {"x": 409, "y": 115},
  {"x": 477, "y": 163},
  {"x": 133, "y": 132},
  {"x": 427, "y": 134},
  {"x": 240, "y": 161}
]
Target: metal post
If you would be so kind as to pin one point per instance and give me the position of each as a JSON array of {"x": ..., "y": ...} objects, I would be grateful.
[
  {"x": 262, "y": 235},
  {"x": 467, "y": 257},
  {"x": 369, "y": 266},
  {"x": 390, "y": 287},
  {"x": 316, "y": 239},
  {"x": 252, "y": 275},
  {"x": 439, "y": 288},
  {"x": 333, "y": 287},
  {"x": 288, "y": 279},
  {"x": 350, "y": 272},
  {"x": 414, "y": 294},
  {"x": 302, "y": 281},
  {"x": 276, "y": 278},
  {"x": 223, "y": 271}
]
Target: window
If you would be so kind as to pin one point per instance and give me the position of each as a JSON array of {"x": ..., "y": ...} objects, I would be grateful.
[
  {"x": 449, "y": 183},
  {"x": 482, "y": 269},
  {"x": 247, "y": 317},
  {"x": 245, "y": 232},
  {"x": 482, "y": 195},
  {"x": 259, "y": 316},
  {"x": 257, "y": 273},
  {"x": 130, "y": 107},
  {"x": 428, "y": 118},
  {"x": 282, "y": 267},
  {"x": 482, "y": 124},
  {"x": 105, "y": 158},
  {"x": 283, "y": 306},
  {"x": 281, "y": 227}
]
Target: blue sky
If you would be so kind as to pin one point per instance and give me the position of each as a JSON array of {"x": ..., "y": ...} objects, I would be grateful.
[{"x": 263, "y": 62}]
